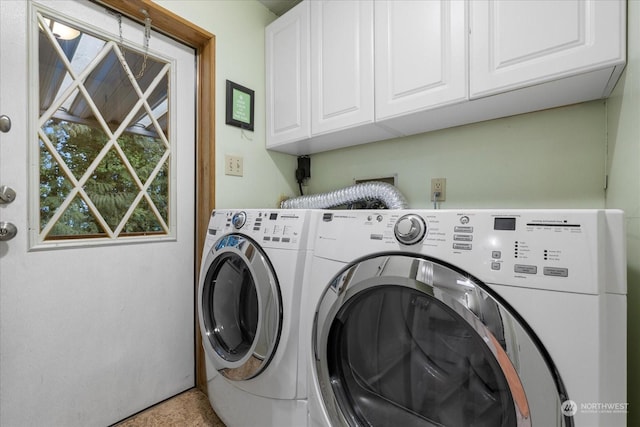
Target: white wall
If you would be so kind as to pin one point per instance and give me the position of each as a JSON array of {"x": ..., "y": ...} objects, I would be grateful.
[
  {"x": 624, "y": 191},
  {"x": 239, "y": 30}
]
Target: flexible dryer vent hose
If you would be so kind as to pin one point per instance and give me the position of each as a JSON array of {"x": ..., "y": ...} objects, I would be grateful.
[{"x": 389, "y": 195}]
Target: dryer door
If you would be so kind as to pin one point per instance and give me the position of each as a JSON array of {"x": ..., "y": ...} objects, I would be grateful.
[
  {"x": 402, "y": 340},
  {"x": 240, "y": 307}
]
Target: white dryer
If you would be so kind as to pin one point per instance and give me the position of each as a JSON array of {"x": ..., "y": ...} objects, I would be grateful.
[
  {"x": 467, "y": 318},
  {"x": 248, "y": 307}
]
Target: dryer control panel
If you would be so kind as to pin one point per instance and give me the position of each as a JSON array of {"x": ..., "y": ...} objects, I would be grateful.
[
  {"x": 579, "y": 251},
  {"x": 285, "y": 229}
]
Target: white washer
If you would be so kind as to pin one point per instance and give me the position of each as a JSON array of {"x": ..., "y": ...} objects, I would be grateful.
[
  {"x": 248, "y": 307},
  {"x": 473, "y": 317}
]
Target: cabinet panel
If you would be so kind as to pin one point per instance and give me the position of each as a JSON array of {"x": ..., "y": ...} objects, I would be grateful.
[
  {"x": 523, "y": 43},
  {"x": 420, "y": 55},
  {"x": 287, "y": 77},
  {"x": 434, "y": 64},
  {"x": 341, "y": 64}
]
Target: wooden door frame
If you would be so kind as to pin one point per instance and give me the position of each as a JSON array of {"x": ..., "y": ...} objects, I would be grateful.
[{"x": 203, "y": 42}]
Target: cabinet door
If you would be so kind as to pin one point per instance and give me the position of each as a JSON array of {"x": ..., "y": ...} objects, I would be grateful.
[
  {"x": 341, "y": 64},
  {"x": 287, "y": 77},
  {"x": 522, "y": 43},
  {"x": 420, "y": 55}
]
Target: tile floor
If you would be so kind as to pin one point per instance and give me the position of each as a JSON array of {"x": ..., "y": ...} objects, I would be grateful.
[{"x": 188, "y": 409}]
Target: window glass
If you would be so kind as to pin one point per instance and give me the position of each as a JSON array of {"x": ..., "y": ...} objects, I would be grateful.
[{"x": 103, "y": 141}]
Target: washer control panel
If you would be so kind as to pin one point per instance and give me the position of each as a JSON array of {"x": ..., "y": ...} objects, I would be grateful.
[
  {"x": 269, "y": 228},
  {"x": 548, "y": 249}
]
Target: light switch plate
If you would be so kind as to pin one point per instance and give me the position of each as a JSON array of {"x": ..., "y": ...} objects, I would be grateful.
[{"x": 233, "y": 165}]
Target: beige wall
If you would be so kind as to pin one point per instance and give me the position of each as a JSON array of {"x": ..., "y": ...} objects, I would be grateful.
[
  {"x": 623, "y": 123},
  {"x": 239, "y": 30}
]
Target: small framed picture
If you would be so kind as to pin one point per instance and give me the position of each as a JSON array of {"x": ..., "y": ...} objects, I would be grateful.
[{"x": 239, "y": 106}]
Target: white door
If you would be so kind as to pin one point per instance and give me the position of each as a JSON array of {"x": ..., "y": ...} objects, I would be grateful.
[{"x": 96, "y": 288}]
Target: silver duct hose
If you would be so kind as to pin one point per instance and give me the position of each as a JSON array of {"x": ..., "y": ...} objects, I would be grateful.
[{"x": 389, "y": 195}]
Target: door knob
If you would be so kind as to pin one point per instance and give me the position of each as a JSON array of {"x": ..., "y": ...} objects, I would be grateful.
[
  {"x": 7, "y": 195},
  {"x": 7, "y": 231},
  {"x": 5, "y": 123}
]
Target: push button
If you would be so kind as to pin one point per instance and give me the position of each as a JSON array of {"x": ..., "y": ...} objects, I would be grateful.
[
  {"x": 555, "y": 271},
  {"x": 462, "y": 246},
  {"x": 526, "y": 269},
  {"x": 463, "y": 237}
]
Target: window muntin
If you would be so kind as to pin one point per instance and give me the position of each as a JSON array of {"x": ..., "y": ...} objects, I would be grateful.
[{"x": 104, "y": 149}]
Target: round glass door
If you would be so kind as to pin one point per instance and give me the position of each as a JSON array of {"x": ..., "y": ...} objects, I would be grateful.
[
  {"x": 241, "y": 309},
  {"x": 402, "y": 340}
]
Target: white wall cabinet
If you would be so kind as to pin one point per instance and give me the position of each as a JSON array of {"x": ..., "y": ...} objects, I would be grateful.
[
  {"x": 341, "y": 65},
  {"x": 287, "y": 77},
  {"x": 420, "y": 55},
  {"x": 523, "y": 43},
  {"x": 428, "y": 65},
  {"x": 334, "y": 60}
]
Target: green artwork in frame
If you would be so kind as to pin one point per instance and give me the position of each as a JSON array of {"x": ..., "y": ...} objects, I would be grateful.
[{"x": 240, "y": 106}]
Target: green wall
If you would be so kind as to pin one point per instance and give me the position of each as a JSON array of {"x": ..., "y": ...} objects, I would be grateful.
[
  {"x": 623, "y": 124},
  {"x": 239, "y": 30},
  {"x": 553, "y": 158}
]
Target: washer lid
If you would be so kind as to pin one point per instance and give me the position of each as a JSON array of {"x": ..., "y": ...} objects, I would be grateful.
[
  {"x": 406, "y": 340},
  {"x": 240, "y": 308}
]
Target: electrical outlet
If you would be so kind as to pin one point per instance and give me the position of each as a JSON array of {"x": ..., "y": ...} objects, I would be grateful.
[
  {"x": 233, "y": 165},
  {"x": 438, "y": 185}
]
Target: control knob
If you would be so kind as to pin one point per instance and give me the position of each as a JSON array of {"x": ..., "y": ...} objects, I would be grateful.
[
  {"x": 239, "y": 219},
  {"x": 410, "y": 229}
]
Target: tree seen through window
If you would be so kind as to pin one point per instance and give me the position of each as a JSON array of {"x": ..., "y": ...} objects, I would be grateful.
[{"x": 103, "y": 143}]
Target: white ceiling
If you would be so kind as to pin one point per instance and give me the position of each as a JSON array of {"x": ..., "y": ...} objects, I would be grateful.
[{"x": 279, "y": 6}]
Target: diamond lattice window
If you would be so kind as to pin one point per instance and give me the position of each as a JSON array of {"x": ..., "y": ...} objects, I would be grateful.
[{"x": 104, "y": 150}]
